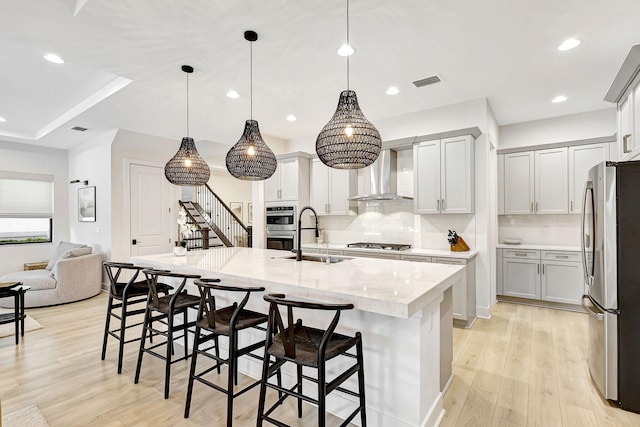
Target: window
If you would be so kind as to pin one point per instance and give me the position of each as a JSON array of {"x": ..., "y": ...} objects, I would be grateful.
[{"x": 26, "y": 208}]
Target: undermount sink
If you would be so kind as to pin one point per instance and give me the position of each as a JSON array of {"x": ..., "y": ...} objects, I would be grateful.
[{"x": 319, "y": 258}]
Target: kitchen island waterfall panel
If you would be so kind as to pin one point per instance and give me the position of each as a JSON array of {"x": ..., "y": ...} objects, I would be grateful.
[{"x": 397, "y": 310}]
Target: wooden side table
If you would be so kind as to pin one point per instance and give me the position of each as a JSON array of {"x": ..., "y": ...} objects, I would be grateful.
[
  {"x": 35, "y": 265},
  {"x": 17, "y": 291}
]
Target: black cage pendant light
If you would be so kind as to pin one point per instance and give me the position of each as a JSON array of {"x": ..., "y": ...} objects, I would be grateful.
[
  {"x": 251, "y": 159},
  {"x": 349, "y": 140},
  {"x": 187, "y": 167}
]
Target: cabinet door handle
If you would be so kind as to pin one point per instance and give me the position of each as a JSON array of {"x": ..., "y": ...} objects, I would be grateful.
[
  {"x": 536, "y": 206},
  {"x": 571, "y": 206},
  {"x": 625, "y": 143},
  {"x": 329, "y": 206},
  {"x": 542, "y": 268},
  {"x": 531, "y": 208},
  {"x": 438, "y": 204},
  {"x": 538, "y": 268},
  {"x": 443, "y": 205},
  {"x": 562, "y": 256},
  {"x": 520, "y": 254}
]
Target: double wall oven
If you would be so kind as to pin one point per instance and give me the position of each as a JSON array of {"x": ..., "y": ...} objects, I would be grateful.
[{"x": 281, "y": 227}]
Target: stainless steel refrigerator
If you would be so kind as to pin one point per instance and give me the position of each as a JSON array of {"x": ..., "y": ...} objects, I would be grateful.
[{"x": 611, "y": 259}]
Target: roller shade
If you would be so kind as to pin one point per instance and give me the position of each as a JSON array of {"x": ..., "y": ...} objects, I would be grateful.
[{"x": 24, "y": 195}]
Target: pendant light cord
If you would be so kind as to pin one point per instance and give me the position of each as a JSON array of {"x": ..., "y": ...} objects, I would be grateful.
[
  {"x": 251, "y": 78},
  {"x": 348, "y": 44},
  {"x": 187, "y": 104}
]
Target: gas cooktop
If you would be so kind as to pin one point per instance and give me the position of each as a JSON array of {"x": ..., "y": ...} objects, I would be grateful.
[{"x": 385, "y": 246}]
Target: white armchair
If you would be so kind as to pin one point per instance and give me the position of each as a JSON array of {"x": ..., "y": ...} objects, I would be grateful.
[{"x": 70, "y": 279}]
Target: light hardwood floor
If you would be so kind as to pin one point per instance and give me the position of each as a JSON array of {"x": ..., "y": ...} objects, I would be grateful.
[{"x": 525, "y": 366}]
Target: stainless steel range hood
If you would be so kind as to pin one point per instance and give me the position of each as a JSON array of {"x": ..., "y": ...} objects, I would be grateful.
[{"x": 383, "y": 179}]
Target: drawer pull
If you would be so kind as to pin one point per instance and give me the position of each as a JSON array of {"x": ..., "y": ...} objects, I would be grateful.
[
  {"x": 562, "y": 256},
  {"x": 520, "y": 254}
]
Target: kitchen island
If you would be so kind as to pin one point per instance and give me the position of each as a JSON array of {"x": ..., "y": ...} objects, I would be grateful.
[{"x": 397, "y": 310}]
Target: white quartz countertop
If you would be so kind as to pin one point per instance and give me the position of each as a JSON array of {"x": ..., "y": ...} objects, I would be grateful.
[
  {"x": 540, "y": 247},
  {"x": 413, "y": 251},
  {"x": 390, "y": 287}
]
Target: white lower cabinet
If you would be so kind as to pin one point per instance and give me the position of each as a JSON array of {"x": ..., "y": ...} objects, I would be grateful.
[
  {"x": 464, "y": 291},
  {"x": 554, "y": 276},
  {"x": 562, "y": 282},
  {"x": 521, "y": 277}
]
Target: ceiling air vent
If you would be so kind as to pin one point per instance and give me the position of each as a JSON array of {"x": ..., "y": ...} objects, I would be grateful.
[
  {"x": 79, "y": 128},
  {"x": 428, "y": 81}
]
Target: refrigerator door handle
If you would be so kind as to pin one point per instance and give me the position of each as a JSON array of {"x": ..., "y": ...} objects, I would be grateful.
[
  {"x": 587, "y": 277},
  {"x": 588, "y": 309}
]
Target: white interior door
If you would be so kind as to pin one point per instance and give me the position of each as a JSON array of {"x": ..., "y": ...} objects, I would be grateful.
[{"x": 149, "y": 195}]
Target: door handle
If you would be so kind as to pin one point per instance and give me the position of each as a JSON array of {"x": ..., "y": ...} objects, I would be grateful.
[
  {"x": 443, "y": 205},
  {"x": 536, "y": 206},
  {"x": 538, "y": 268},
  {"x": 598, "y": 316},
  {"x": 571, "y": 206},
  {"x": 531, "y": 208},
  {"x": 438, "y": 204},
  {"x": 542, "y": 268},
  {"x": 625, "y": 143}
]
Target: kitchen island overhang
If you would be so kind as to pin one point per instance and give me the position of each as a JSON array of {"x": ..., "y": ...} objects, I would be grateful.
[{"x": 397, "y": 309}]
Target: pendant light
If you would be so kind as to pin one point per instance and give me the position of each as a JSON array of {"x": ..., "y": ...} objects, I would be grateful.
[
  {"x": 251, "y": 159},
  {"x": 349, "y": 140},
  {"x": 187, "y": 167}
]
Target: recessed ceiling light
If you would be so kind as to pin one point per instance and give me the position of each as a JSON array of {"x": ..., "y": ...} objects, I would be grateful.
[
  {"x": 346, "y": 50},
  {"x": 233, "y": 94},
  {"x": 52, "y": 57},
  {"x": 2, "y": 119},
  {"x": 559, "y": 98},
  {"x": 569, "y": 44},
  {"x": 292, "y": 118},
  {"x": 392, "y": 91}
]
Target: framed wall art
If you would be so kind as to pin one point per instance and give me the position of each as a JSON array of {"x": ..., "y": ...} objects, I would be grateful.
[{"x": 87, "y": 204}]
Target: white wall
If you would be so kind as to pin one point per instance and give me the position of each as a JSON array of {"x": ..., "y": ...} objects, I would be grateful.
[
  {"x": 92, "y": 161},
  {"x": 146, "y": 149},
  {"x": 33, "y": 159},
  {"x": 573, "y": 127},
  {"x": 426, "y": 122},
  {"x": 541, "y": 229}
]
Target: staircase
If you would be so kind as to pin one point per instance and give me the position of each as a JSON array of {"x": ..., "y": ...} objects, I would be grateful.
[
  {"x": 214, "y": 217},
  {"x": 207, "y": 236}
]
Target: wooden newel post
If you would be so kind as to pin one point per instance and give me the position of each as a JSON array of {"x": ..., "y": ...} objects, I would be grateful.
[{"x": 205, "y": 238}]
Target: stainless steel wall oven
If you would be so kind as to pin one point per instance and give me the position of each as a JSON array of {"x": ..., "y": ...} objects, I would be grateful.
[{"x": 281, "y": 227}]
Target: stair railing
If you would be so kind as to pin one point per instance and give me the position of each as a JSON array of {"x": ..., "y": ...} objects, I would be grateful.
[{"x": 223, "y": 218}]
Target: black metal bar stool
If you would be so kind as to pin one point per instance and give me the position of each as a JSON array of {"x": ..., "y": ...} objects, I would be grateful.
[
  {"x": 165, "y": 308},
  {"x": 308, "y": 347},
  {"x": 124, "y": 296},
  {"x": 214, "y": 322}
]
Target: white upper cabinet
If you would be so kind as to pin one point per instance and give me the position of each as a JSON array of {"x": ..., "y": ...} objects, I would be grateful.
[
  {"x": 290, "y": 182},
  {"x": 551, "y": 186},
  {"x": 331, "y": 189},
  {"x": 500, "y": 170},
  {"x": 519, "y": 181},
  {"x": 626, "y": 110},
  {"x": 457, "y": 170},
  {"x": 581, "y": 159},
  {"x": 426, "y": 176},
  {"x": 625, "y": 93},
  {"x": 444, "y": 176}
]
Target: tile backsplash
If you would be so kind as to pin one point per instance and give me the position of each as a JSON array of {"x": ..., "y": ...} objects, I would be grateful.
[
  {"x": 395, "y": 222},
  {"x": 540, "y": 229}
]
